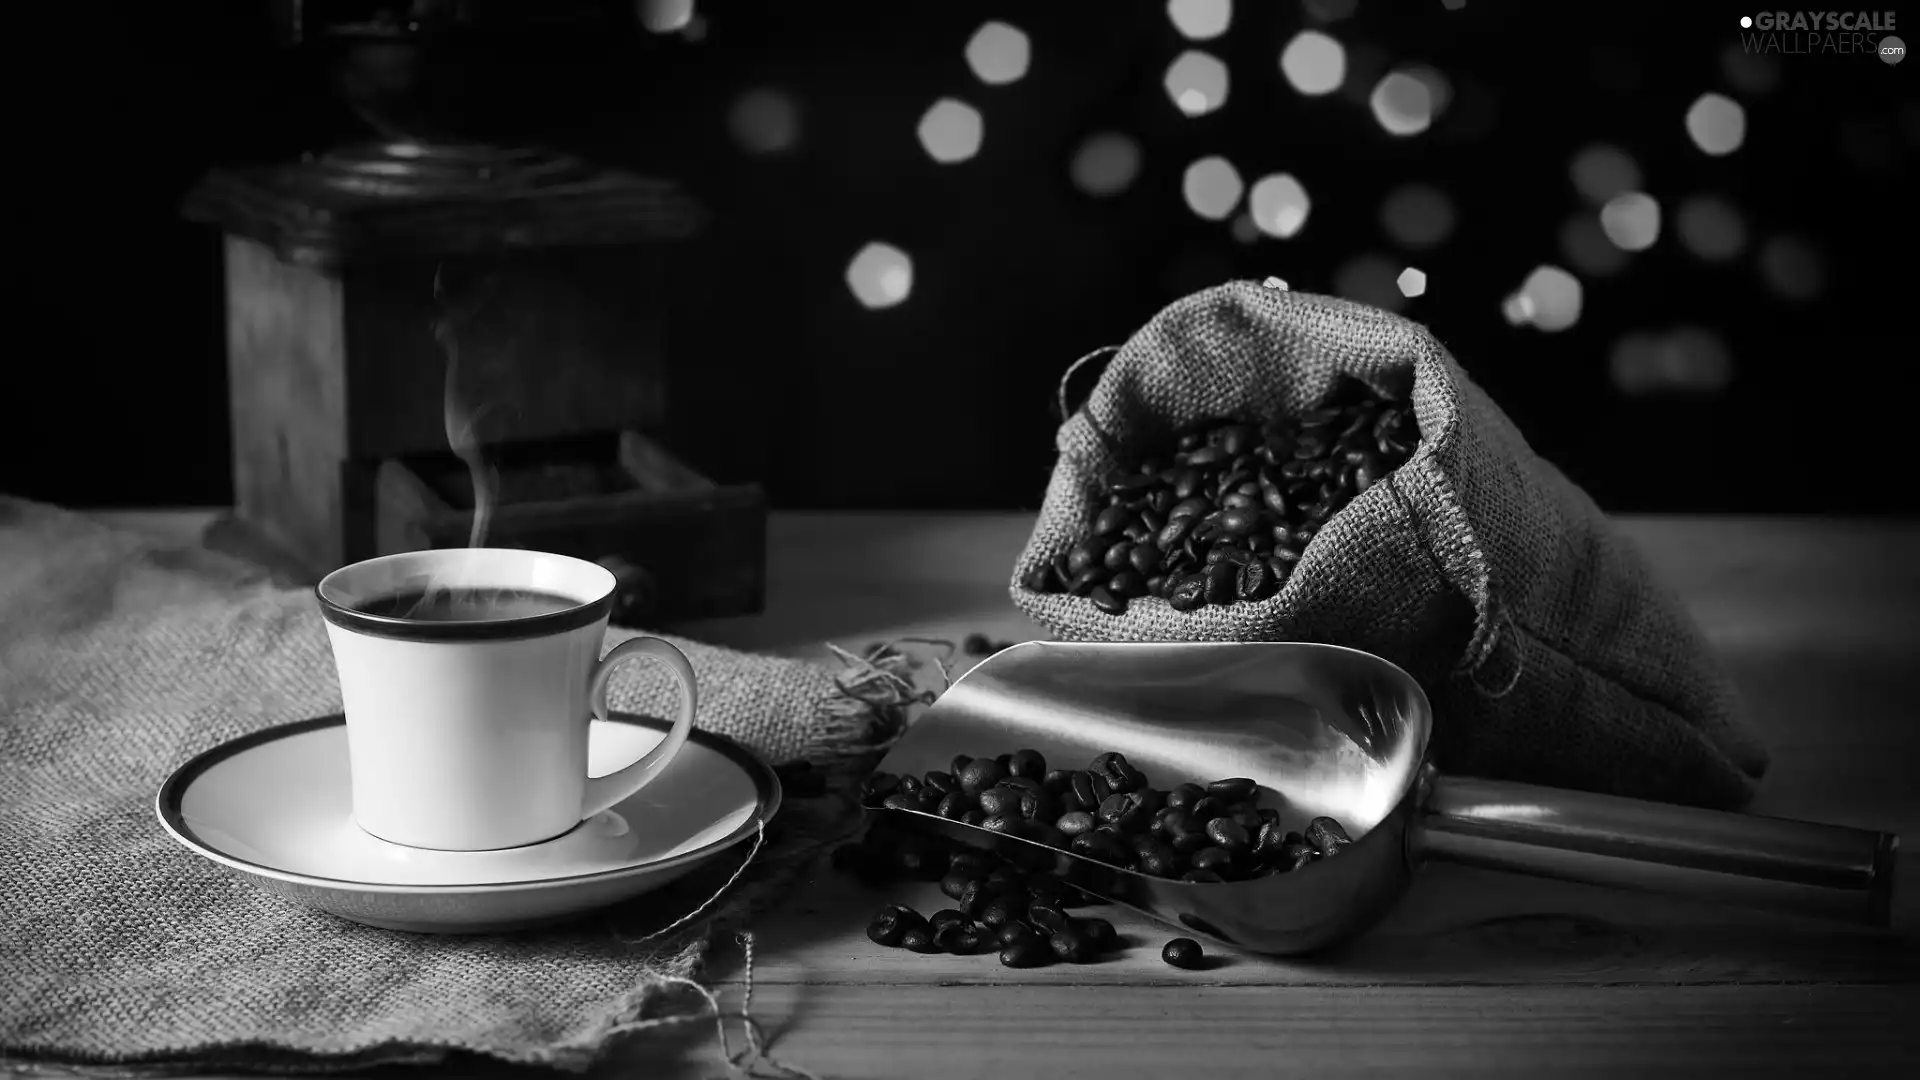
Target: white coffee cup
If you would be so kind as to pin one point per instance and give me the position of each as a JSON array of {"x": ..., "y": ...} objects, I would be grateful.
[{"x": 471, "y": 734}]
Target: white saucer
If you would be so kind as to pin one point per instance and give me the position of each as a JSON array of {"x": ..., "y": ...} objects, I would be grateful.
[{"x": 276, "y": 805}]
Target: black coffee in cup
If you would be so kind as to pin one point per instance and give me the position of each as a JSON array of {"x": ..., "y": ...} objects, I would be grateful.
[{"x": 479, "y": 604}]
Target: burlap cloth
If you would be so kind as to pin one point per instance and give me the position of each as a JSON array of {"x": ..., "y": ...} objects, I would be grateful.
[
  {"x": 1550, "y": 650},
  {"x": 120, "y": 658}
]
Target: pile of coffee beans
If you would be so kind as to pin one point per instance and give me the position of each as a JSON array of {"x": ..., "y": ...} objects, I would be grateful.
[
  {"x": 1026, "y": 918},
  {"x": 1110, "y": 813},
  {"x": 1222, "y": 515}
]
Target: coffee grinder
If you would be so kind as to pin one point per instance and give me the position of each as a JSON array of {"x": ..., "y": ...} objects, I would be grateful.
[{"x": 437, "y": 309}]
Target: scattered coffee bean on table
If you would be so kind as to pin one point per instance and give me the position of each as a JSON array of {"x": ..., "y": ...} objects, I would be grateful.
[
  {"x": 1221, "y": 515},
  {"x": 1183, "y": 952}
]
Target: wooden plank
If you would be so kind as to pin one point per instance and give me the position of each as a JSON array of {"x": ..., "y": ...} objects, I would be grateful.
[
  {"x": 893, "y": 1030},
  {"x": 1456, "y": 926}
]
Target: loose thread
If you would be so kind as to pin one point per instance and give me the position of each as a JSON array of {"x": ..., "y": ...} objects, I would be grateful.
[{"x": 759, "y": 840}]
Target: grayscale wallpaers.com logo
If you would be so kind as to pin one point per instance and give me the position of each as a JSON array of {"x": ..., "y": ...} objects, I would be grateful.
[{"x": 1823, "y": 32}]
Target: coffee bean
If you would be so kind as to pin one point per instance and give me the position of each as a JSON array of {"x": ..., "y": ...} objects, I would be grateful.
[
  {"x": 1189, "y": 594},
  {"x": 973, "y": 817},
  {"x": 1070, "y": 945},
  {"x": 1058, "y": 782},
  {"x": 918, "y": 939},
  {"x": 1111, "y": 520},
  {"x": 1160, "y": 861},
  {"x": 971, "y": 864},
  {"x": 962, "y": 940},
  {"x": 1003, "y": 799},
  {"x": 954, "y": 885},
  {"x": 1087, "y": 580},
  {"x": 954, "y": 805},
  {"x": 878, "y": 785},
  {"x": 1256, "y": 581},
  {"x": 1027, "y": 952},
  {"x": 900, "y": 801},
  {"x": 1185, "y": 795},
  {"x": 1075, "y": 823},
  {"x": 1229, "y": 834},
  {"x": 1101, "y": 847},
  {"x": 974, "y": 896},
  {"x": 891, "y": 923},
  {"x": 981, "y": 774},
  {"x": 1013, "y": 933},
  {"x": 1117, "y": 557},
  {"x": 1130, "y": 485},
  {"x": 946, "y": 917},
  {"x": 1048, "y": 917},
  {"x": 1234, "y": 789},
  {"x": 1005, "y": 824},
  {"x": 1217, "y": 859},
  {"x": 1039, "y": 806},
  {"x": 1001, "y": 911},
  {"x": 1183, "y": 952},
  {"x": 1220, "y": 581},
  {"x": 1327, "y": 836},
  {"x": 1090, "y": 790},
  {"x": 1205, "y": 809},
  {"x": 1028, "y": 764},
  {"x": 1039, "y": 579},
  {"x": 1202, "y": 877},
  {"x": 1127, "y": 585},
  {"x": 1144, "y": 559}
]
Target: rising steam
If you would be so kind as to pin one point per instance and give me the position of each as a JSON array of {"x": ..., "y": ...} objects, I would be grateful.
[{"x": 462, "y": 422}]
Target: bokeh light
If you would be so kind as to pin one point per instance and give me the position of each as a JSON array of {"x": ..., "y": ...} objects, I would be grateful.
[
  {"x": 1748, "y": 72},
  {"x": 1197, "y": 82},
  {"x": 1549, "y": 300},
  {"x": 764, "y": 121},
  {"x": 880, "y": 276},
  {"x": 1585, "y": 245},
  {"x": 1243, "y": 228},
  {"x": 1711, "y": 228},
  {"x": 1600, "y": 172},
  {"x": 696, "y": 29},
  {"x": 1439, "y": 87},
  {"x": 1717, "y": 124},
  {"x": 1314, "y": 63},
  {"x": 1631, "y": 220},
  {"x": 1279, "y": 205},
  {"x": 1417, "y": 216},
  {"x": 1327, "y": 11},
  {"x": 1453, "y": 5},
  {"x": 665, "y": 16},
  {"x": 1412, "y": 282},
  {"x": 1212, "y": 187},
  {"x": 1402, "y": 104},
  {"x": 1792, "y": 268},
  {"x": 1105, "y": 164},
  {"x": 1370, "y": 279},
  {"x": 1200, "y": 20},
  {"x": 951, "y": 131},
  {"x": 999, "y": 53},
  {"x": 1689, "y": 360}
]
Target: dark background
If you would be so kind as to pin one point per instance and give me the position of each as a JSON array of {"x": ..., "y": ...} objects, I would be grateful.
[{"x": 116, "y": 386}]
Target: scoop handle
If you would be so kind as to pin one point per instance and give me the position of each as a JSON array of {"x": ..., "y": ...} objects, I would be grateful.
[{"x": 1732, "y": 858}]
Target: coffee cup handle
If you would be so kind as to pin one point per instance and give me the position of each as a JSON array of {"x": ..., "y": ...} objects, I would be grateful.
[{"x": 604, "y": 791}]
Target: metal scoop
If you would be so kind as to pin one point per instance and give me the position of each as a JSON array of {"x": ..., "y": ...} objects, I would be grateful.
[{"x": 1342, "y": 733}]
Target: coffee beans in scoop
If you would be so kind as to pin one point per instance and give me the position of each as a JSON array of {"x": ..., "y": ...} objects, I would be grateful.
[
  {"x": 1111, "y": 813},
  {"x": 1221, "y": 514}
]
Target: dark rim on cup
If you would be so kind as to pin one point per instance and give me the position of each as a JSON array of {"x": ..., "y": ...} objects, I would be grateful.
[{"x": 525, "y": 626}]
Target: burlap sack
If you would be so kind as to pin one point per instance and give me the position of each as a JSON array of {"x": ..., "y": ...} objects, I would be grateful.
[
  {"x": 1551, "y": 653},
  {"x": 121, "y": 657}
]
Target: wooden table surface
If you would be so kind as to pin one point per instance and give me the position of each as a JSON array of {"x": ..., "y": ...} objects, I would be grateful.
[{"x": 1476, "y": 973}]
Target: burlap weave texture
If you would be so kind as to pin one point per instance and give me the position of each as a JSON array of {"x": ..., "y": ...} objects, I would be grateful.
[
  {"x": 1551, "y": 652},
  {"x": 120, "y": 658}
]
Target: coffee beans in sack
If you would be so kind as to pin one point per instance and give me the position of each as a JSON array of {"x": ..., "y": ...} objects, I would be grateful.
[{"x": 1257, "y": 464}]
